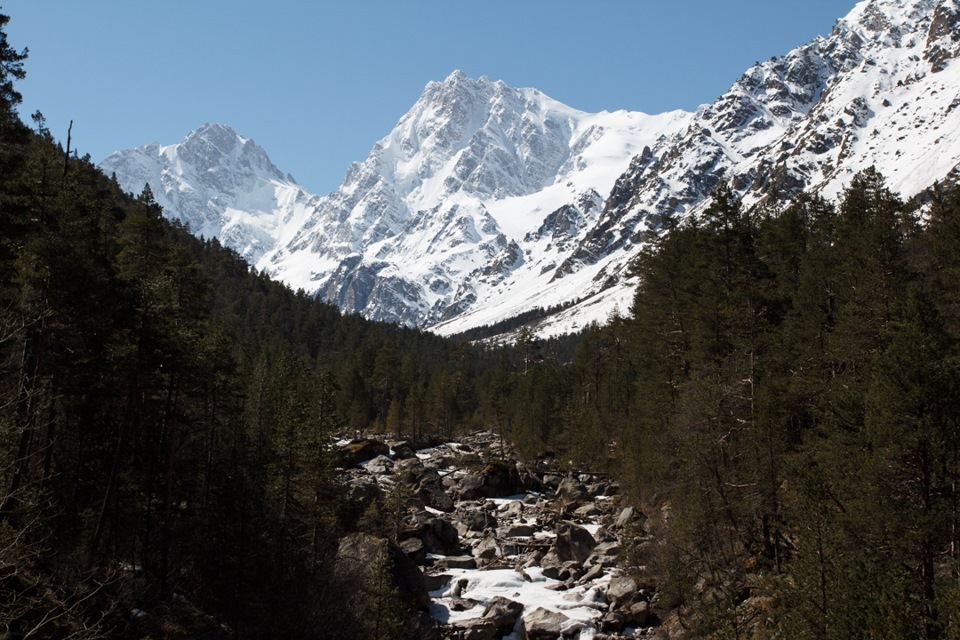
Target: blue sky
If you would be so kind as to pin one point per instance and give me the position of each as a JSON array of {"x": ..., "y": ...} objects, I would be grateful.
[{"x": 318, "y": 83}]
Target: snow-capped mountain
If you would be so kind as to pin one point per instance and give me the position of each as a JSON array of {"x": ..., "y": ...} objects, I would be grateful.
[
  {"x": 219, "y": 184},
  {"x": 476, "y": 195},
  {"x": 487, "y": 201},
  {"x": 882, "y": 90}
]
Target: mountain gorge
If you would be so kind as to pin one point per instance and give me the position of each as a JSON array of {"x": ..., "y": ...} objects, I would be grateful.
[{"x": 486, "y": 201}]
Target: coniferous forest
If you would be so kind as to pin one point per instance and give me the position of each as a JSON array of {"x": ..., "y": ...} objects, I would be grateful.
[{"x": 782, "y": 401}]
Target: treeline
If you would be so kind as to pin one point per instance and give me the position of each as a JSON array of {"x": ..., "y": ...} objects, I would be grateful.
[
  {"x": 785, "y": 400},
  {"x": 513, "y": 323}
]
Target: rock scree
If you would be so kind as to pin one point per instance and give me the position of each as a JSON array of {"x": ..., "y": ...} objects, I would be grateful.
[{"x": 496, "y": 549}]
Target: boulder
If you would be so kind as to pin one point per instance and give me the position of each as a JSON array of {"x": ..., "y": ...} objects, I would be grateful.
[
  {"x": 457, "y": 562},
  {"x": 587, "y": 511},
  {"x": 622, "y": 591},
  {"x": 361, "y": 491},
  {"x": 519, "y": 531},
  {"x": 503, "y": 613},
  {"x": 595, "y": 572},
  {"x": 488, "y": 549},
  {"x": 437, "y": 582},
  {"x": 639, "y": 614},
  {"x": 408, "y": 469},
  {"x": 380, "y": 465},
  {"x": 470, "y": 459},
  {"x": 550, "y": 559},
  {"x": 462, "y": 604},
  {"x": 360, "y": 556},
  {"x": 573, "y": 542},
  {"x": 415, "y": 550},
  {"x": 605, "y": 554},
  {"x": 573, "y": 490},
  {"x": 552, "y": 480},
  {"x": 476, "y": 519},
  {"x": 543, "y": 624},
  {"x": 429, "y": 488},
  {"x": 529, "y": 480},
  {"x": 514, "y": 510},
  {"x": 470, "y": 488},
  {"x": 626, "y": 517},
  {"x": 403, "y": 451},
  {"x": 357, "y": 451},
  {"x": 500, "y": 479},
  {"x": 441, "y": 537},
  {"x": 613, "y": 621},
  {"x": 474, "y": 629}
]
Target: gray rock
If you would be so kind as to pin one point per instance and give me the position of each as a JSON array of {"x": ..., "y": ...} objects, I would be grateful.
[
  {"x": 471, "y": 488},
  {"x": 555, "y": 572},
  {"x": 519, "y": 531},
  {"x": 573, "y": 542},
  {"x": 359, "y": 556},
  {"x": 462, "y": 604},
  {"x": 380, "y": 465},
  {"x": 613, "y": 621},
  {"x": 514, "y": 509},
  {"x": 357, "y": 451},
  {"x": 488, "y": 549},
  {"x": 550, "y": 559},
  {"x": 639, "y": 614},
  {"x": 457, "y": 562},
  {"x": 441, "y": 537},
  {"x": 437, "y": 582},
  {"x": 474, "y": 629},
  {"x": 415, "y": 550},
  {"x": 477, "y": 520},
  {"x": 605, "y": 554},
  {"x": 403, "y": 451},
  {"x": 621, "y": 591},
  {"x": 500, "y": 479},
  {"x": 571, "y": 489},
  {"x": 595, "y": 572},
  {"x": 626, "y": 516},
  {"x": 552, "y": 480},
  {"x": 503, "y": 613},
  {"x": 587, "y": 511},
  {"x": 543, "y": 624}
]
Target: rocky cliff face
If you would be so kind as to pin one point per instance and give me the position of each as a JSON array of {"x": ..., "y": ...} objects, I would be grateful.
[
  {"x": 879, "y": 91},
  {"x": 453, "y": 209},
  {"x": 487, "y": 201}
]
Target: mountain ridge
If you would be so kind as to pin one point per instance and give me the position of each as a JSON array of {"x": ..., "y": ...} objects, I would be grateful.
[{"x": 486, "y": 201}]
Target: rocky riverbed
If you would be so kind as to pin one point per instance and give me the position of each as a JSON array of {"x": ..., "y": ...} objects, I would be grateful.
[{"x": 489, "y": 547}]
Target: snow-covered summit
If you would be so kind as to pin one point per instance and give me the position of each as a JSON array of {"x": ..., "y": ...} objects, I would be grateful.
[
  {"x": 218, "y": 183},
  {"x": 444, "y": 213}
]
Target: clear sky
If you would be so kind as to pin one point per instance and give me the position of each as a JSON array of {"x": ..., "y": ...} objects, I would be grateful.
[{"x": 317, "y": 83}]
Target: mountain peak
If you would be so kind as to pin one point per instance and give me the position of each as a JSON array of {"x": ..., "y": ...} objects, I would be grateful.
[
  {"x": 214, "y": 129},
  {"x": 456, "y": 76},
  {"x": 217, "y": 182}
]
